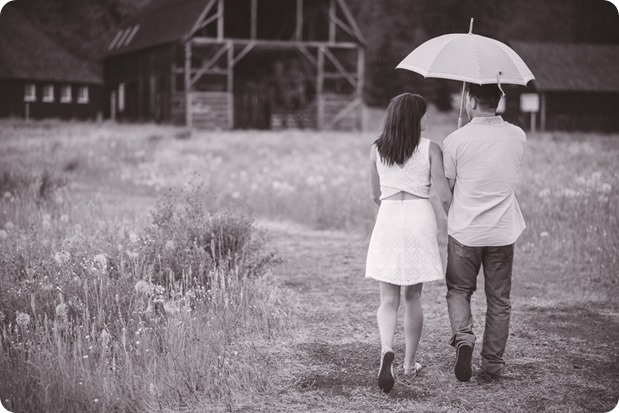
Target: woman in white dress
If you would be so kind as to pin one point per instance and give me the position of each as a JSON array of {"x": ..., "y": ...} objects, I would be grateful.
[{"x": 403, "y": 250}]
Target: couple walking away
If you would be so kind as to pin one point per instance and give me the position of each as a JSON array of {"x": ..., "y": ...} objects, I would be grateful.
[{"x": 475, "y": 177}]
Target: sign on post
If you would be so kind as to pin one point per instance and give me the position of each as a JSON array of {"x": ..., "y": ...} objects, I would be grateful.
[{"x": 529, "y": 102}]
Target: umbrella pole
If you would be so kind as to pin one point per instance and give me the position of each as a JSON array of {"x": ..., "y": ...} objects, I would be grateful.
[{"x": 461, "y": 104}]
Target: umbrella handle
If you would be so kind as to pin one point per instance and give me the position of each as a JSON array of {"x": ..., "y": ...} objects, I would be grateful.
[{"x": 461, "y": 104}]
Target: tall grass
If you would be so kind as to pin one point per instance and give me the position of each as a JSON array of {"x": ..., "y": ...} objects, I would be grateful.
[
  {"x": 105, "y": 313},
  {"x": 97, "y": 315}
]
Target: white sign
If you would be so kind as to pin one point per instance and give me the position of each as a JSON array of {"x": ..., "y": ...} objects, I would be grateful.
[{"x": 529, "y": 102}]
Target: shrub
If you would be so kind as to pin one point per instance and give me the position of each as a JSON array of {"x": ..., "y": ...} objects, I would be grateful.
[{"x": 121, "y": 319}]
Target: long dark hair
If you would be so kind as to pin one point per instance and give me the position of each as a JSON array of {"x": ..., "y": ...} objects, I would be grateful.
[{"x": 402, "y": 131}]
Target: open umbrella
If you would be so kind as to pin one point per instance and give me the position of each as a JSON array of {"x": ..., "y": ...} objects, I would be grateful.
[{"x": 468, "y": 57}]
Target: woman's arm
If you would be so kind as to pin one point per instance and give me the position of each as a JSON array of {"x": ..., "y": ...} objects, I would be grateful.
[
  {"x": 374, "y": 180},
  {"x": 437, "y": 174}
]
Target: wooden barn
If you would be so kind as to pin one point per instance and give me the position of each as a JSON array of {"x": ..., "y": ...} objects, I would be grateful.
[
  {"x": 576, "y": 87},
  {"x": 38, "y": 78},
  {"x": 244, "y": 64}
]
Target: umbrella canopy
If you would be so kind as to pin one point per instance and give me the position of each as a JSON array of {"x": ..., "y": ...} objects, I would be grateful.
[{"x": 468, "y": 57}]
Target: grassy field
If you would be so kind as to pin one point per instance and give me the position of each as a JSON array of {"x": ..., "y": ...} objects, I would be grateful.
[{"x": 145, "y": 270}]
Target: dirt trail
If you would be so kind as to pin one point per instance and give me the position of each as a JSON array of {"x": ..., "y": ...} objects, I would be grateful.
[{"x": 560, "y": 358}]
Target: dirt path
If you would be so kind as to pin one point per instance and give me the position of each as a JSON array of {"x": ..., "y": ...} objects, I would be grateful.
[{"x": 560, "y": 358}]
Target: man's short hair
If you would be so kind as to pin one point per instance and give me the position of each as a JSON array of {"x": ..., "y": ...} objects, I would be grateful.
[{"x": 487, "y": 96}]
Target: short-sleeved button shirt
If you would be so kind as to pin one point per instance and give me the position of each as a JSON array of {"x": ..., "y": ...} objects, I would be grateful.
[{"x": 485, "y": 158}]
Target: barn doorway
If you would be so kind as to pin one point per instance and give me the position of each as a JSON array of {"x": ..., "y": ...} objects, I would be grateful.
[{"x": 274, "y": 89}]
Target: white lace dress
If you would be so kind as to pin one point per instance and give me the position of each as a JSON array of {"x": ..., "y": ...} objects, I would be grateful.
[{"x": 403, "y": 249}]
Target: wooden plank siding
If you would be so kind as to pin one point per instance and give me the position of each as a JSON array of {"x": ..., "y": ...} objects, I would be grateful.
[
  {"x": 147, "y": 78},
  {"x": 210, "y": 110}
]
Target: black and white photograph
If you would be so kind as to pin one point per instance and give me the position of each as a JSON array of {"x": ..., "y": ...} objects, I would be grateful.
[{"x": 313, "y": 206}]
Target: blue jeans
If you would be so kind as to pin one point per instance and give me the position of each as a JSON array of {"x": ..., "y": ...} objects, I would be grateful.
[{"x": 463, "y": 264}]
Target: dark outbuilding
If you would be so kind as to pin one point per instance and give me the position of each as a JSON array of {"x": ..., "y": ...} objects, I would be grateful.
[
  {"x": 40, "y": 79},
  {"x": 576, "y": 87}
]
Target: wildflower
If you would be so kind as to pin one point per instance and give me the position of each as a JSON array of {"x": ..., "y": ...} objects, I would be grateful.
[
  {"x": 544, "y": 193},
  {"x": 159, "y": 289},
  {"x": 62, "y": 257},
  {"x": 169, "y": 245},
  {"x": 58, "y": 199},
  {"x": 133, "y": 237},
  {"x": 100, "y": 262},
  {"x": 96, "y": 400},
  {"x": 605, "y": 187},
  {"x": 144, "y": 288},
  {"x": 235, "y": 195},
  {"x": 22, "y": 319},
  {"x": 64, "y": 218},
  {"x": 171, "y": 308},
  {"x": 8, "y": 195},
  {"x": 152, "y": 388},
  {"x": 46, "y": 220},
  {"x": 62, "y": 312},
  {"x": 132, "y": 254},
  {"x": 3, "y": 234},
  {"x": 105, "y": 338},
  {"x": 570, "y": 193},
  {"x": 9, "y": 226},
  {"x": 544, "y": 234}
]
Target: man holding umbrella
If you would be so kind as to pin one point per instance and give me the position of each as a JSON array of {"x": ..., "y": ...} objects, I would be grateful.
[{"x": 482, "y": 162}]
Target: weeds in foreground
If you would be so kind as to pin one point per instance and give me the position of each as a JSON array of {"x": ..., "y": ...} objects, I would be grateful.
[{"x": 99, "y": 316}]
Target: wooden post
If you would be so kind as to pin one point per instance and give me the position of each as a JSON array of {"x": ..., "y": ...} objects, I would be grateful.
[
  {"x": 230, "y": 85},
  {"x": 220, "y": 20},
  {"x": 27, "y": 113},
  {"x": 332, "y": 21},
  {"x": 188, "y": 118},
  {"x": 533, "y": 116},
  {"x": 254, "y": 19},
  {"x": 542, "y": 120},
  {"x": 113, "y": 105},
  {"x": 361, "y": 84},
  {"x": 299, "y": 31},
  {"x": 319, "y": 88}
]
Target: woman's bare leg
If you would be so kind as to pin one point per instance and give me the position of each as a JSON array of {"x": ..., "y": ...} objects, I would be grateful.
[
  {"x": 387, "y": 314},
  {"x": 413, "y": 323}
]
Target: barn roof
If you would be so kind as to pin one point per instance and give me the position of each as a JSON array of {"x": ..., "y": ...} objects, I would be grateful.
[
  {"x": 162, "y": 21},
  {"x": 571, "y": 67},
  {"x": 167, "y": 21},
  {"x": 27, "y": 53}
]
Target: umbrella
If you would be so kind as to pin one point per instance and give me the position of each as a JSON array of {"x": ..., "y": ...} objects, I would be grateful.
[{"x": 468, "y": 57}]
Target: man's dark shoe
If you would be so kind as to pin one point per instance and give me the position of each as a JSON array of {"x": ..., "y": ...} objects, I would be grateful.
[
  {"x": 385, "y": 373},
  {"x": 463, "y": 369}
]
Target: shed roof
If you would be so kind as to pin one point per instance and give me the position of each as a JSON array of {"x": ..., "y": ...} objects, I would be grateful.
[
  {"x": 167, "y": 21},
  {"x": 27, "y": 53},
  {"x": 162, "y": 21},
  {"x": 572, "y": 67}
]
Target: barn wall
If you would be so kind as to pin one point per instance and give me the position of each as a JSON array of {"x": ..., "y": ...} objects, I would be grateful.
[
  {"x": 12, "y": 102},
  {"x": 147, "y": 77},
  {"x": 210, "y": 110},
  {"x": 582, "y": 111},
  {"x": 334, "y": 104},
  {"x": 569, "y": 111}
]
